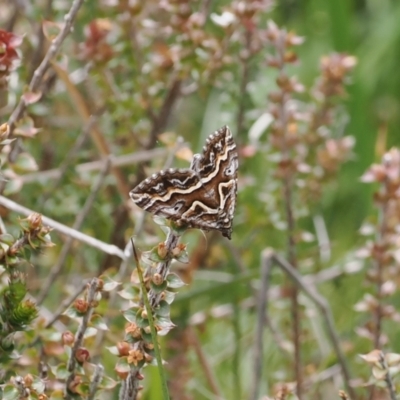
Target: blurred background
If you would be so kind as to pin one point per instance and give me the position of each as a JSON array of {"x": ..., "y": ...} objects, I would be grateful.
[{"x": 148, "y": 82}]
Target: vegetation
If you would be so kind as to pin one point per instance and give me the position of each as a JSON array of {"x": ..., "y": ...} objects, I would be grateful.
[{"x": 95, "y": 292}]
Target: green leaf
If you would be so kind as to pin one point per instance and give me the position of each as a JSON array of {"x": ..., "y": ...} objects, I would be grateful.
[
  {"x": 38, "y": 385},
  {"x": 109, "y": 284},
  {"x": 25, "y": 163},
  {"x": 72, "y": 312},
  {"x": 60, "y": 371},
  {"x": 7, "y": 343},
  {"x": 162, "y": 223},
  {"x": 140, "y": 321},
  {"x": 98, "y": 322},
  {"x": 129, "y": 292},
  {"x": 7, "y": 239},
  {"x": 130, "y": 315},
  {"x": 178, "y": 230},
  {"x": 174, "y": 282},
  {"x": 90, "y": 332},
  {"x": 13, "y": 260},
  {"x": 26, "y": 126},
  {"x": 108, "y": 383},
  {"x": 159, "y": 288},
  {"x": 84, "y": 389},
  {"x": 165, "y": 324},
  {"x": 147, "y": 337},
  {"x": 57, "y": 395},
  {"x": 150, "y": 257},
  {"x": 183, "y": 257},
  {"x": 163, "y": 310},
  {"x": 51, "y": 336},
  {"x": 122, "y": 365},
  {"x": 169, "y": 297},
  {"x": 10, "y": 393}
]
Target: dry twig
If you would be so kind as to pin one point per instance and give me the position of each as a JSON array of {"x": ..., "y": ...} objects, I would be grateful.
[
  {"x": 65, "y": 230},
  {"x": 57, "y": 267},
  {"x": 320, "y": 302}
]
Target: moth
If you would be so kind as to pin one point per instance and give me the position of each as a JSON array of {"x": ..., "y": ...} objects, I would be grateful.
[{"x": 202, "y": 196}]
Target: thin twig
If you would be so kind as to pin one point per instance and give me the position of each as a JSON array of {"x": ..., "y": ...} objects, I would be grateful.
[
  {"x": 146, "y": 302},
  {"x": 44, "y": 65},
  {"x": 163, "y": 267},
  {"x": 96, "y": 379},
  {"x": 17, "y": 246},
  {"x": 266, "y": 260},
  {"x": 388, "y": 378},
  {"x": 130, "y": 387},
  {"x": 53, "y": 317},
  {"x": 3, "y": 228},
  {"x": 287, "y": 189},
  {"x": 292, "y": 256},
  {"x": 91, "y": 293},
  {"x": 322, "y": 235},
  {"x": 268, "y": 322},
  {"x": 40, "y": 39},
  {"x": 324, "y": 375},
  {"x": 57, "y": 268},
  {"x": 66, "y": 230},
  {"x": 237, "y": 355},
  {"x": 381, "y": 238},
  {"x": 326, "y": 312},
  {"x": 116, "y": 161},
  {"x": 244, "y": 80},
  {"x": 210, "y": 375},
  {"x": 65, "y": 304},
  {"x": 113, "y": 295},
  {"x": 274, "y": 293}
]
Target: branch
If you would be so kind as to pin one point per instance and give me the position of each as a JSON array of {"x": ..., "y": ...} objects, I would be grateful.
[
  {"x": 65, "y": 304},
  {"x": 388, "y": 378},
  {"x": 113, "y": 295},
  {"x": 66, "y": 230},
  {"x": 57, "y": 268},
  {"x": 320, "y": 302},
  {"x": 266, "y": 261},
  {"x": 44, "y": 65},
  {"x": 92, "y": 289},
  {"x": 96, "y": 380}
]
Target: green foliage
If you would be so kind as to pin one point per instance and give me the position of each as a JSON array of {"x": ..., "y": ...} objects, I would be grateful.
[{"x": 16, "y": 312}]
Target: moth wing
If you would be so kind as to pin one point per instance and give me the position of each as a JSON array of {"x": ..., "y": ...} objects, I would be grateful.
[
  {"x": 203, "y": 196},
  {"x": 217, "y": 169},
  {"x": 219, "y": 145},
  {"x": 166, "y": 193}
]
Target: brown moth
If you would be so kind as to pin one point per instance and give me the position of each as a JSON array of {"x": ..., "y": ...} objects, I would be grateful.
[{"x": 202, "y": 196}]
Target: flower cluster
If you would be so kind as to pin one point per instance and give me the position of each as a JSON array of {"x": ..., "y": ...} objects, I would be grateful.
[{"x": 382, "y": 250}]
